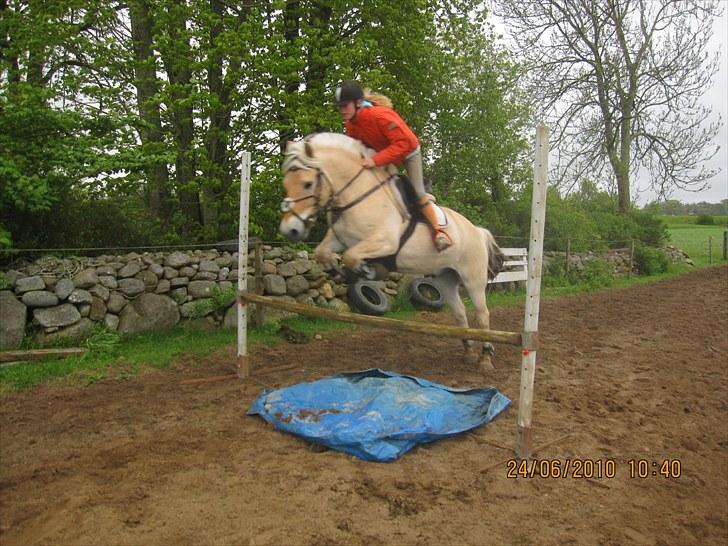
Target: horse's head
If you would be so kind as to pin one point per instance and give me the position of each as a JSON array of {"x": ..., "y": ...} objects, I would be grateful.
[
  {"x": 315, "y": 172},
  {"x": 304, "y": 183}
]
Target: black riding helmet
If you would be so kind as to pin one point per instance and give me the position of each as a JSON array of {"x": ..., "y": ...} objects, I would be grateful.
[{"x": 347, "y": 91}]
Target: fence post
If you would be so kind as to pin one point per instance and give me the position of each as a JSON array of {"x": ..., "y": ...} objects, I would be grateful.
[
  {"x": 631, "y": 258},
  {"x": 533, "y": 293},
  {"x": 243, "y": 362},
  {"x": 568, "y": 255},
  {"x": 259, "y": 284},
  {"x": 710, "y": 250},
  {"x": 725, "y": 244}
]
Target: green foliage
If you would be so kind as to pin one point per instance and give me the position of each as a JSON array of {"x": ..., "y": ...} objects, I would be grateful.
[
  {"x": 650, "y": 261},
  {"x": 590, "y": 222},
  {"x": 103, "y": 341},
  {"x": 219, "y": 300},
  {"x": 141, "y": 139},
  {"x": 596, "y": 273},
  {"x": 676, "y": 221},
  {"x": 6, "y": 240},
  {"x": 474, "y": 135},
  {"x": 704, "y": 220},
  {"x": 673, "y": 207}
]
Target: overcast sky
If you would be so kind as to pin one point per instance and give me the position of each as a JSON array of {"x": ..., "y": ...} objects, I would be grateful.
[{"x": 717, "y": 99}]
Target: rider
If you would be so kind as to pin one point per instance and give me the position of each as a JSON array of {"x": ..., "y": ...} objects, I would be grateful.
[{"x": 372, "y": 120}]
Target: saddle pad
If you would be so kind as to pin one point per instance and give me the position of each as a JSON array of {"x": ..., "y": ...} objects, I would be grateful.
[
  {"x": 376, "y": 415},
  {"x": 441, "y": 216}
]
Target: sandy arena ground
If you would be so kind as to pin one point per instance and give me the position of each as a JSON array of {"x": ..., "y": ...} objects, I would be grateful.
[{"x": 629, "y": 374}]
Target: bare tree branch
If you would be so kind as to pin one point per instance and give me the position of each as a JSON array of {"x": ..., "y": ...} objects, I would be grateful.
[{"x": 620, "y": 82}]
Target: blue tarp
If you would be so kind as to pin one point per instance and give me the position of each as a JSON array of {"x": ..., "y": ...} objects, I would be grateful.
[{"x": 376, "y": 415}]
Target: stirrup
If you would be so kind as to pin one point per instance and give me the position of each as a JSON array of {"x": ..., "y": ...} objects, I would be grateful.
[{"x": 441, "y": 240}]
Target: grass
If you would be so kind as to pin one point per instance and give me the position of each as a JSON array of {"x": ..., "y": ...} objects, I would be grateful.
[
  {"x": 696, "y": 239},
  {"x": 110, "y": 357},
  {"x": 692, "y": 219}
]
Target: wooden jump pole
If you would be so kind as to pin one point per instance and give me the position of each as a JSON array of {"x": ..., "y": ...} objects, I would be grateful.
[
  {"x": 533, "y": 292},
  {"x": 243, "y": 361},
  {"x": 510, "y": 338}
]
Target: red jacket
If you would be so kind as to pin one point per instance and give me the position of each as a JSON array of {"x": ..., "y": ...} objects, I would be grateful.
[{"x": 382, "y": 129}]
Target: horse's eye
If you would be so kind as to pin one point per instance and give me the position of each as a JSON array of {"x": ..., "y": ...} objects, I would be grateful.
[{"x": 308, "y": 185}]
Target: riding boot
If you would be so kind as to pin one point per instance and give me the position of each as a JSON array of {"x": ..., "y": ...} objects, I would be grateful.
[{"x": 439, "y": 237}]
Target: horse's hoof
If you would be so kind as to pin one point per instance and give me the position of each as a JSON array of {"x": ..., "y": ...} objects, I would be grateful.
[
  {"x": 367, "y": 272},
  {"x": 485, "y": 364}
]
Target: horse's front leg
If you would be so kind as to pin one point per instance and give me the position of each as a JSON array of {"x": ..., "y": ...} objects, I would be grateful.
[
  {"x": 376, "y": 246},
  {"x": 325, "y": 252}
]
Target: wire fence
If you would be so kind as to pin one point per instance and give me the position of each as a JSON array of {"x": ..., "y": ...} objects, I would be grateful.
[{"x": 713, "y": 248}]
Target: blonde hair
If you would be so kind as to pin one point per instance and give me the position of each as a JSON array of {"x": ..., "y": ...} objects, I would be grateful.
[{"x": 377, "y": 99}]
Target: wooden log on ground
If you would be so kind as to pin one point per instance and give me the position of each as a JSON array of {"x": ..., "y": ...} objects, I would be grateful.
[
  {"x": 494, "y": 336},
  {"x": 40, "y": 354}
]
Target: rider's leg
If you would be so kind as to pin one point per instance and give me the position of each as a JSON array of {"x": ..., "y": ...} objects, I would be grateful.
[{"x": 413, "y": 165}]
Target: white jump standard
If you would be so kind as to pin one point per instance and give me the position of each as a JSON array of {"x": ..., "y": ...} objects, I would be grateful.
[{"x": 527, "y": 339}]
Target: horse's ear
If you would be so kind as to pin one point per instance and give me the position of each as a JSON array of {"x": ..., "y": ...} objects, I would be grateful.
[{"x": 308, "y": 149}]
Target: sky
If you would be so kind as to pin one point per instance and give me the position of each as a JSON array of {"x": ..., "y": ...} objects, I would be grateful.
[{"x": 715, "y": 98}]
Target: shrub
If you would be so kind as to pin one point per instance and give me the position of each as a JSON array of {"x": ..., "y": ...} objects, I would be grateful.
[
  {"x": 555, "y": 273},
  {"x": 650, "y": 261},
  {"x": 563, "y": 224},
  {"x": 219, "y": 301},
  {"x": 4, "y": 282},
  {"x": 705, "y": 220},
  {"x": 103, "y": 341},
  {"x": 597, "y": 273},
  {"x": 649, "y": 229}
]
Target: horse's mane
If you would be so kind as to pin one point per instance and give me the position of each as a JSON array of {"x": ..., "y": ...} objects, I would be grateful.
[
  {"x": 302, "y": 153},
  {"x": 338, "y": 141}
]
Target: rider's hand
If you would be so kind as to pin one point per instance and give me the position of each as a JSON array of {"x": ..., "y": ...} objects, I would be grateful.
[{"x": 368, "y": 163}]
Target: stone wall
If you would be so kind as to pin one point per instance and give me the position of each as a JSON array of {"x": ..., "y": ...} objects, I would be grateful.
[{"x": 131, "y": 293}]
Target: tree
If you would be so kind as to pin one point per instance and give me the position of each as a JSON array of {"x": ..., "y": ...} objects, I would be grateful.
[
  {"x": 474, "y": 137},
  {"x": 45, "y": 150},
  {"x": 619, "y": 81},
  {"x": 142, "y": 107}
]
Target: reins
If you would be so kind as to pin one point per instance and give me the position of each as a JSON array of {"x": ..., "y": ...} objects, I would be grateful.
[
  {"x": 337, "y": 211},
  {"x": 329, "y": 206}
]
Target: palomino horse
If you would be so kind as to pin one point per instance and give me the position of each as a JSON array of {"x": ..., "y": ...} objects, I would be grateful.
[{"x": 367, "y": 218}]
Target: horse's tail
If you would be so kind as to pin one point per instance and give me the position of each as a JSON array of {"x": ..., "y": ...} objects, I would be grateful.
[
  {"x": 495, "y": 256},
  {"x": 377, "y": 99}
]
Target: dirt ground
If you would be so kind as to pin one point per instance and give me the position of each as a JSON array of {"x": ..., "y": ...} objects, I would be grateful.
[{"x": 629, "y": 374}]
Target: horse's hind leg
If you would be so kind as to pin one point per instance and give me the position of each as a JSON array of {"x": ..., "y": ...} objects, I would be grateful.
[
  {"x": 449, "y": 282},
  {"x": 476, "y": 290}
]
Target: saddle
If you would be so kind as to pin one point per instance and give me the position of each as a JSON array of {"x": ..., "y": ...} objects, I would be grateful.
[{"x": 407, "y": 192}]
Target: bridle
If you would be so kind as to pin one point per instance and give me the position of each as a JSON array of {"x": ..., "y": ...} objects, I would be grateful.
[{"x": 329, "y": 205}]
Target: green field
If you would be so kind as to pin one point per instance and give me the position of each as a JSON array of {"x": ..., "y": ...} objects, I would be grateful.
[{"x": 696, "y": 239}]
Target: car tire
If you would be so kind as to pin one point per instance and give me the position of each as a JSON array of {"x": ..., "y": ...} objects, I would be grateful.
[
  {"x": 366, "y": 297},
  {"x": 425, "y": 293}
]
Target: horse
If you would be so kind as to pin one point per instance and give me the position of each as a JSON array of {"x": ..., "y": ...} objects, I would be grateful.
[{"x": 369, "y": 222}]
